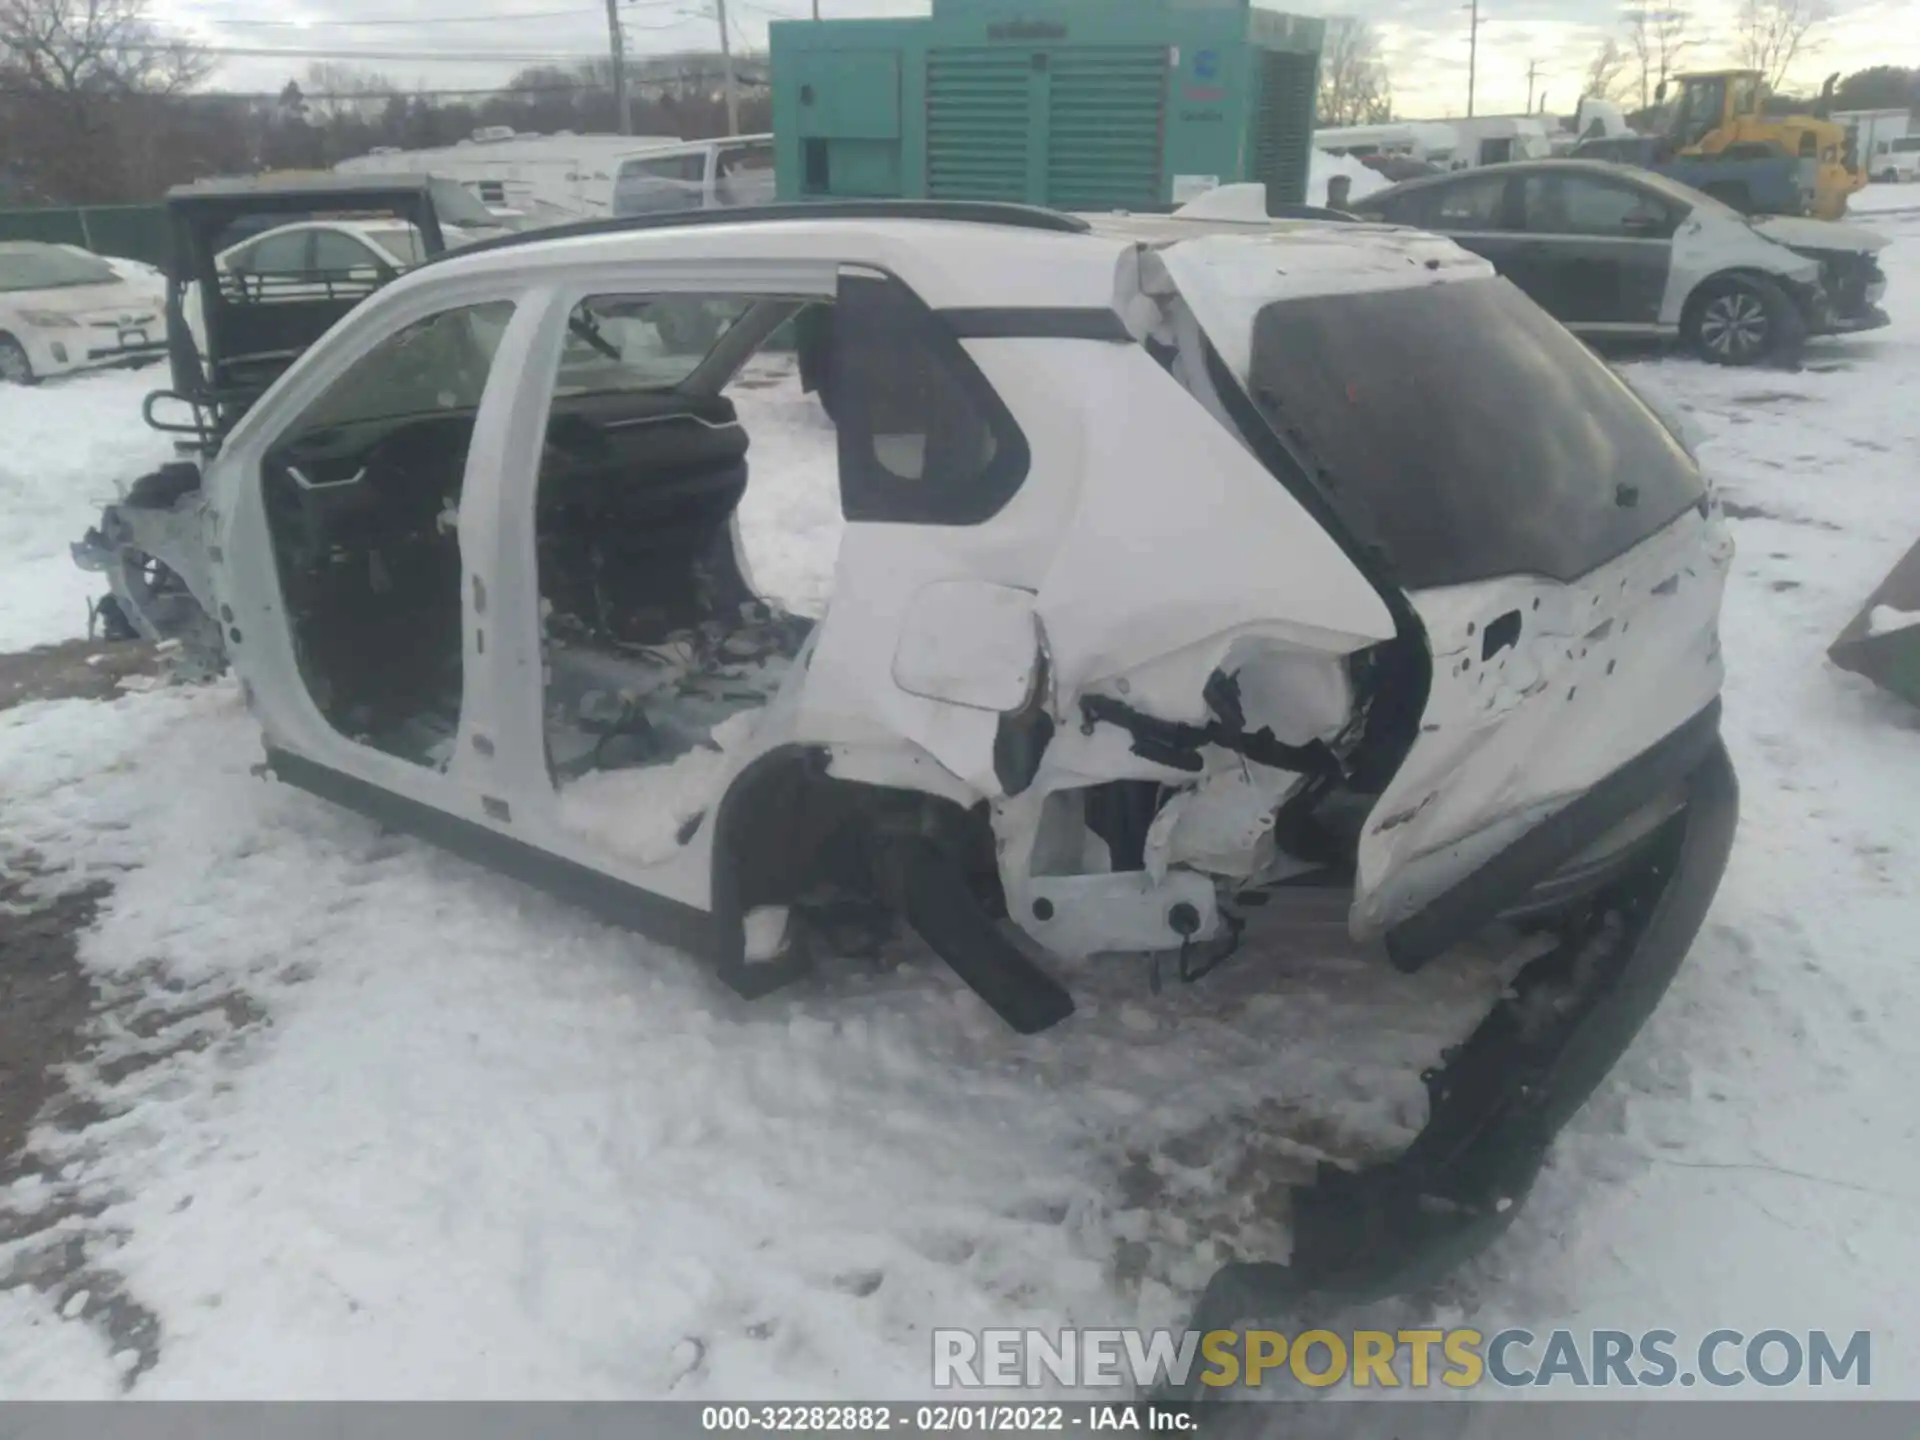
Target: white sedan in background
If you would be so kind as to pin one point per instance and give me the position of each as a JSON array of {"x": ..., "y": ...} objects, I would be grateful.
[
  {"x": 315, "y": 258},
  {"x": 63, "y": 309}
]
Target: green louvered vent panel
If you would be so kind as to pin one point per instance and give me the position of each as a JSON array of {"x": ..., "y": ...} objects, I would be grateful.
[
  {"x": 977, "y": 124},
  {"x": 1283, "y": 128},
  {"x": 1105, "y": 126}
]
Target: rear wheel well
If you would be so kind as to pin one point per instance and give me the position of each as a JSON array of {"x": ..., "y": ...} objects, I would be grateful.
[
  {"x": 787, "y": 830},
  {"x": 8, "y": 339}
]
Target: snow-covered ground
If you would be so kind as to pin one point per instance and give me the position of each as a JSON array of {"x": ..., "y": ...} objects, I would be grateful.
[
  {"x": 373, "y": 1122},
  {"x": 62, "y": 447}
]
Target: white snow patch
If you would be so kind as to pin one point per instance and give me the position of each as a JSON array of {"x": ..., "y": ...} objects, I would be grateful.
[
  {"x": 641, "y": 812},
  {"x": 1322, "y": 167},
  {"x": 1884, "y": 199},
  {"x": 69, "y": 446},
  {"x": 790, "y": 520},
  {"x": 481, "y": 1146},
  {"x": 44, "y": 1356},
  {"x": 1884, "y": 620}
]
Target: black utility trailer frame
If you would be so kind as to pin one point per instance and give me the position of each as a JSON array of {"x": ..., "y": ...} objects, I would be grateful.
[{"x": 251, "y": 335}]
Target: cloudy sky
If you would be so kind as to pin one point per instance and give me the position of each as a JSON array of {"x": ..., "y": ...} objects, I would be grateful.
[{"x": 471, "y": 43}]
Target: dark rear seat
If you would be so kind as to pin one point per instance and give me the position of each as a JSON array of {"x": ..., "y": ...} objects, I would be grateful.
[{"x": 638, "y": 491}]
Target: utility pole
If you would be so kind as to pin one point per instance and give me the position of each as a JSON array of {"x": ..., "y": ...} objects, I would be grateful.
[
  {"x": 1473, "y": 50},
  {"x": 617, "y": 44},
  {"x": 1533, "y": 68},
  {"x": 726, "y": 68},
  {"x": 816, "y": 9}
]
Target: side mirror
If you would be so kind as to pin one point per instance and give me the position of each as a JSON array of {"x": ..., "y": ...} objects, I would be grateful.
[
  {"x": 1643, "y": 222},
  {"x": 1660, "y": 93}
]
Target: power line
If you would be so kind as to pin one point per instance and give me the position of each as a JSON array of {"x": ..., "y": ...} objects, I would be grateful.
[
  {"x": 462, "y": 57},
  {"x": 423, "y": 23},
  {"x": 753, "y": 80},
  {"x": 768, "y": 11},
  {"x": 349, "y": 97},
  {"x": 212, "y": 18}
]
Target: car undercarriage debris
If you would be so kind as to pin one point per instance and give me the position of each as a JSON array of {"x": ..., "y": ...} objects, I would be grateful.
[
  {"x": 1177, "y": 745},
  {"x": 1497, "y": 1100}
]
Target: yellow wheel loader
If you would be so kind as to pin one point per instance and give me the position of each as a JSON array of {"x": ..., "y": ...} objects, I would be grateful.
[{"x": 1723, "y": 112}]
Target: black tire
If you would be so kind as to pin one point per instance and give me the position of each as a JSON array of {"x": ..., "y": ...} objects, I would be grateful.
[
  {"x": 1743, "y": 320},
  {"x": 16, "y": 367}
]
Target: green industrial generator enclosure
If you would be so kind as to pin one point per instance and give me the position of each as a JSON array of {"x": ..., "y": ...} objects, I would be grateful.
[{"x": 1125, "y": 105}]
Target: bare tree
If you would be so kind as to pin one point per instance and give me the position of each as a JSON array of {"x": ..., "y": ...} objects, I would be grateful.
[
  {"x": 1355, "y": 88},
  {"x": 337, "y": 89},
  {"x": 87, "y": 74},
  {"x": 1608, "y": 76},
  {"x": 96, "y": 47},
  {"x": 1772, "y": 34},
  {"x": 1657, "y": 39}
]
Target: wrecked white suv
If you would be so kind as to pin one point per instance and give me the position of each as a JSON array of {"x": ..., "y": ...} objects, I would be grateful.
[{"x": 1188, "y": 565}]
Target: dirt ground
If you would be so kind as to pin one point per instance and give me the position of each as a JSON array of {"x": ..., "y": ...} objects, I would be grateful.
[
  {"x": 76, "y": 670},
  {"x": 47, "y": 1003}
]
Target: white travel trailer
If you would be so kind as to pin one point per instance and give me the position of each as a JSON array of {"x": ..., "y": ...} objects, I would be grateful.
[
  {"x": 542, "y": 178},
  {"x": 1495, "y": 139},
  {"x": 1417, "y": 139}
]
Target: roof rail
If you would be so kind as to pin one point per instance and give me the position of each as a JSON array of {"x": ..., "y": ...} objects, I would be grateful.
[
  {"x": 969, "y": 212},
  {"x": 1286, "y": 210}
]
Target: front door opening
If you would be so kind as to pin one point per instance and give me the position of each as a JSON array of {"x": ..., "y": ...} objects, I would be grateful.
[{"x": 362, "y": 503}]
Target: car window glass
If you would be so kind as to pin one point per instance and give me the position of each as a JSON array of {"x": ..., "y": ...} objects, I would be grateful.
[
  {"x": 402, "y": 245},
  {"x": 745, "y": 159},
  {"x": 639, "y": 342},
  {"x": 277, "y": 255},
  {"x": 1469, "y": 204},
  {"x": 436, "y": 364},
  {"x": 1577, "y": 205},
  {"x": 1408, "y": 209},
  {"x": 745, "y": 174},
  {"x": 46, "y": 267},
  {"x": 671, "y": 167},
  {"x": 1465, "y": 432},
  {"x": 923, "y": 437},
  {"x": 333, "y": 251}
]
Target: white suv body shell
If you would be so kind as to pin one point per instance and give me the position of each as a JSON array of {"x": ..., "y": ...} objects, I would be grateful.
[{"x": 1145, "y": 545}]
